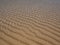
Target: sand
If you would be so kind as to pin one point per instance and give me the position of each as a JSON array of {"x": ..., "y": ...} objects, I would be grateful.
[{"x": 30, "y": 22}]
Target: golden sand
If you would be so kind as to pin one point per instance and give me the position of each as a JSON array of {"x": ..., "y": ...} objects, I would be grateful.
[{"x": 29, "y": 25}]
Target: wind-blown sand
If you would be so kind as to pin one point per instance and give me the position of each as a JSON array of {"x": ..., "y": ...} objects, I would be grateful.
[{"x": 30, "y": 22}]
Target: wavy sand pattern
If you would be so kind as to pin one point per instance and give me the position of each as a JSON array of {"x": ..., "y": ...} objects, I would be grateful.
[{"x": 30, "y": 22}]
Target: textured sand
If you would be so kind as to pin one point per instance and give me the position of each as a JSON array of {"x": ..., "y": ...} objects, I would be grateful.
[{"x": 30, "y": 22}]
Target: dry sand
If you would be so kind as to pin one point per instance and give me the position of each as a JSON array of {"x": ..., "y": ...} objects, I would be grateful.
[{"x": 30, "y": 22}]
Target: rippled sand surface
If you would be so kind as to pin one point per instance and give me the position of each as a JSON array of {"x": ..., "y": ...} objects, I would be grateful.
[{"x": 29, "y": 22}]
